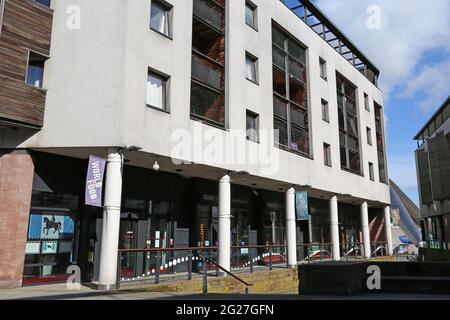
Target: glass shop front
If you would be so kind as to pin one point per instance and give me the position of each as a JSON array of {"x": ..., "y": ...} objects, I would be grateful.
[{"x": 159, "y": 211}]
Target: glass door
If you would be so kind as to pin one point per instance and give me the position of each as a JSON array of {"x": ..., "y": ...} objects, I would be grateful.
[{"x": 128, "y": 240}]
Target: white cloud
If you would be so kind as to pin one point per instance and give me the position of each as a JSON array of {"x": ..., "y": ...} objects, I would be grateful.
[
  {"x": 409, "y": 29},
  {"x": 432, "y": 83}
]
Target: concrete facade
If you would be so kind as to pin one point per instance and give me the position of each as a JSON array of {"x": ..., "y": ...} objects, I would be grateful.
[
  {"x": 98, "y": 100},
  {"x": 96, "y": 82}
]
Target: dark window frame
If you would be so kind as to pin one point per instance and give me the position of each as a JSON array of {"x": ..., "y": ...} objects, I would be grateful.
[
  {"x": 168, "y": 8},
  {"x": 254, "y": 9},
  {"x": 166, "y": 89},
  {"x": 323, "y": 69},
  {"x": 255, "y": 62},
  {"x": 291, "y": 47},
  {"x": 327, "y": 155},
  {"x": 255, "y": 117},
  {"x": 35, "y": 55}
]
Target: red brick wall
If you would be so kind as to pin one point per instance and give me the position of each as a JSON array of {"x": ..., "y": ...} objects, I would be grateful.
[{"x": 16, "y": 180}]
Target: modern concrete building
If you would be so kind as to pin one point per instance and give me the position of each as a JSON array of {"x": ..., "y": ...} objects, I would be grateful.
[
  {"x": 433, "y": 173},
  {"x": 213, "y": 115}
]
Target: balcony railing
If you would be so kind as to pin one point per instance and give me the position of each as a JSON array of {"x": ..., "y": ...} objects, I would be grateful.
[
  {"x": 207, "y": 73},
  {"x": 208, "y": 13}
]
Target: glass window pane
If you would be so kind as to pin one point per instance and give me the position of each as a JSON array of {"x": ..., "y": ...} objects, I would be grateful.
[
  {"x": 299, "y": 140},
  {"x": 278, "y": 38},
  {"x": 279, "y": 82},
  {"x": 343, "y": 157},
  {"x": 354, "y": 161},
  {"x": 159, "y": 19},
  {"x": 252, "y": 127},
  {"x": 278, "y": 58},
  {"x": 299, "y": 117},
  {"x": 341, "y": 119},
  {"x": 325, "y": 112},
  {"x": 352, "y": 126},
  {"x": 156, "y": 91},
  {"x": 281, "y": 126},
  {"x": 35, "y": 75},
  {"x": 250, "y": 16},
  {"x": 279, "y": 108},
  {"x": 250, "y": 68},
  {"x": 296, "y": 51}
]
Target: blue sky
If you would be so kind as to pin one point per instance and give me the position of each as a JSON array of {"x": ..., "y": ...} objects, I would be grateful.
[{"x": 412, "y": 50}]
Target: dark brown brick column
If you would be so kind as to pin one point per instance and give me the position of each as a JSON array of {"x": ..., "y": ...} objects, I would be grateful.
[{"x": 16, "y": 181}]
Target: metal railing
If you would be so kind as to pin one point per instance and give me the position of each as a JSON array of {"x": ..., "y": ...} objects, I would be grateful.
[
  {"x": 154, "y": 264},
  {"x": 205, "y": 276},
  {"x": 209, "y": 12}
]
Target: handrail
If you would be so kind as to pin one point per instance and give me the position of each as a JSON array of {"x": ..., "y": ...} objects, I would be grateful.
[{"x": 205, "y": 276}]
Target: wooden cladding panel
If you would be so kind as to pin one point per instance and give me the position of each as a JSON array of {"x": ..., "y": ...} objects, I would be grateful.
[
  {"x": 27, "y": 24},
  {"x": 13, "y": 61},
  {"x": 20, "y": 102}
]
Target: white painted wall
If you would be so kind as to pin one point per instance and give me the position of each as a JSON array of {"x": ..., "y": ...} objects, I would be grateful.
[{"x": 96, "y": 81}]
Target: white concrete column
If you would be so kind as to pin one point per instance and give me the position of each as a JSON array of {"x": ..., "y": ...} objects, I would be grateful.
[
  {"x": 224, "y": 222},
  {"x": 111, "y": 221},
  {"x": 334, "y": 228},
  {"x": 365, "y": 229},
  {"x": 291, "y": 238},
  {"x": 387, "y": 230}
]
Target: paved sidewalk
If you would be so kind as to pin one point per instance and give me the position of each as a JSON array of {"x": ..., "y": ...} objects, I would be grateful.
[{"x": 61, "y": 292}]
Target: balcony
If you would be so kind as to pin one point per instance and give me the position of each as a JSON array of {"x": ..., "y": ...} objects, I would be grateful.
[
  {"x": 207, "y": 72},
  {"x": 207, "y": 105},
  {"x": 209, "y": 12}
]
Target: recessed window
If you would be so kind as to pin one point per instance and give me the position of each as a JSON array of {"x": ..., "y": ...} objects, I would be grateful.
[
  {"x": 44, "y": 2},
  {"x": 160, "y": 18},
  {"x": 369, "y": 136},
  {"x": 251, "y": 16},
  {"x": 366, "y": 102},
  {"x": 35, "y": 70},
  {"x": 327, "y": 154},
  {"x": 252, "y": 126},
  {"x": 157, "y": 91},
  {"x": 251, "y": 68},
  {"x": 371, "y": 172},
  {"x": 325, "y": 111},
  {"x": 323, "y": 68}
]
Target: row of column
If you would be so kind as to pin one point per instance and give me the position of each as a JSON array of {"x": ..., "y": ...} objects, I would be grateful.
[{"x": 111, "y": 224}]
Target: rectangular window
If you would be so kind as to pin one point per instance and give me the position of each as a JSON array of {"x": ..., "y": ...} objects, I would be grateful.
[
  {"x": 160, "y": 18},
  {"x": 157, "y": 91},
  {"x": 35, "y": 70},
  {"x": 348, "y": 125},
  {"x": 369, "y": 136},
  {"x": 290, "y": 96},
  {"x": 325, "y": 111},
  {"x": 366, "y": 102},
  {"x": 44, "y": 2},
  {"x": 323, "y": 68},
  {"x": 251, "y": 68},
  {"x": 251, "y": 16},
  {"x": 371, "y": 172},
  {"x": 252, "y": 126},
  {"x": 327, "y": 154},
  {"x": 380, "y": 142}
]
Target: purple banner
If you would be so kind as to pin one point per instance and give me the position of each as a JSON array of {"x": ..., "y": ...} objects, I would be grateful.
[{"x": 94, "y": 182}]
